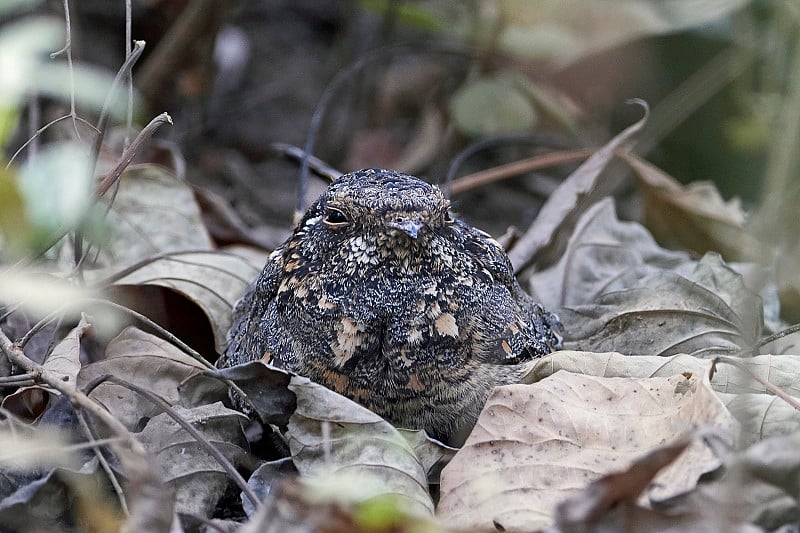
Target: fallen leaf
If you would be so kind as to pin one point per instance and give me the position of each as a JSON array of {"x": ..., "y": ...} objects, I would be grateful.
[
  {"x": 536, "y": 444},
  {"x": 213, "y": 280},
  {"x": 591, "y": 507},
  {"x": 692, "y": 217},
  {"x": 603, "y": 254},
  {"x": 145, "y": 360},
  {"x": 29, "y": 403},
  {"x": 197, "y": 477},
  {"x": 544, "y": 241},
  {"x": 266, "y": 387},
  {"x": 709, "y": 313},
  {"x": 762, "y": 416},
  {"x": 153, "y": 212},
  {"x": 329, "y": 434}
]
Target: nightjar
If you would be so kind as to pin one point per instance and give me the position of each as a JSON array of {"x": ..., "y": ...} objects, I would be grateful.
[{"x": 383, "y": 296}]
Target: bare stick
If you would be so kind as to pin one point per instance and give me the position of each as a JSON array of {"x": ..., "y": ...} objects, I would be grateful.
[
  {"x": 131, "y": 454},
  {"x": 502, "y": 172},
  {"x": 734, "y": 361},
  {"x": 68, "y": 50},
  {"x": 130, "y": 152},
  {"x": 128, "y": 40},
  {"x": 189, "y": 428},
  {"x": 779, "y": 335},
  {"x": 101, "y": 458}
]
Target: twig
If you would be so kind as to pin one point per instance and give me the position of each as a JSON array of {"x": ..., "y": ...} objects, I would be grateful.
[
  {"x": 543, "y": 141},
  {"x": 102, "y": 121},
  {"x": 19, "y": 380},
  {"x": 34, "y": 116},
  {"x": 68, "y": 50},
  {"x": 42, "y": 130},
  {"x": 113, "y": 178},
  {"x": 112, "y": 477},
  {"x": 295, "y": 153},
  {"x": 189, "y": 428},
  {"x": 502, "y": 172},
  {"x": 733, "y": 361},
  {"x": 130, "y": 152},
  {"x": 128, "y": 41},
  {"x": 779, "y": 335},
  {"x": 39, "y": 326},
  {"x": 129, "y": 451}
]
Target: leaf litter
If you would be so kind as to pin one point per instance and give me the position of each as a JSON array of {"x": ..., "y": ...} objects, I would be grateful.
[{"x": 615, "y": 427}]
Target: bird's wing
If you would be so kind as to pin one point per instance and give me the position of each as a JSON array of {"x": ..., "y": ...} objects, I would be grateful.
[
  {"x": 245, "y": 338},
  {"x": 533, "y": 331}
]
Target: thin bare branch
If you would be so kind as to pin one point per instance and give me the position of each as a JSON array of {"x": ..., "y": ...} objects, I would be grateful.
[
  {"x": 502, "y": 172},
  {"x": 189, "y": 428},
  {"x": 143, "y": 136}
]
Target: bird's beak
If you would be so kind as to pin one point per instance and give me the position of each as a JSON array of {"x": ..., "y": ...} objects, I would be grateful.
[{"x": 409, "y": 226}]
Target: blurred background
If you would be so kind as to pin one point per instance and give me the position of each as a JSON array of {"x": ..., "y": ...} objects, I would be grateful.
[{"x": 418, "y": 81}]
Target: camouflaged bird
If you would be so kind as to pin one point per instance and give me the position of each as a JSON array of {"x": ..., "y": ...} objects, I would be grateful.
[{"x": 384, "y": 297}]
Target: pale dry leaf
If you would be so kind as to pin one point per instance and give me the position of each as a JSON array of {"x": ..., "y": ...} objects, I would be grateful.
[
  {"x": 596, "y": 506},
  {"x": 610, "y": 503},
  {"x": 329, "y": 434},
  {"x": 153, "y": 212},
  {"x": 432, "y": 454},
  {"x": 762, "y": 416},
  {"x": 213, "y": 280},
  {"x": 692, "y": 217},
  {"x": 197, "y": 477},
  {"x": 711, "y": 312},
  {"x": 145, "y": 360},
  {"x": 617, "y": 365},
  {"x": 63, "y": 361},
  {"x": 536, "y": 444},
  {"x": 779, "y": 370},
  {"x": 603, "y": 254},
  {"x": 547, "y": 236}
]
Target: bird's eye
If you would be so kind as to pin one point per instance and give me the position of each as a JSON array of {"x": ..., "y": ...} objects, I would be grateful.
[
  {"x": 448, "y": 218},
  {"x": 335, "y": 218}
]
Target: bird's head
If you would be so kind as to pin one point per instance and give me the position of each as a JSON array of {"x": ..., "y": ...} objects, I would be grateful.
[{"x": 377, "y": 214}]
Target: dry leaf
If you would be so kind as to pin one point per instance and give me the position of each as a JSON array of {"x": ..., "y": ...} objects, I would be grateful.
[
  {"x": 617, "y": 365},
  {"x": 145, "y": 360},
  {"x": 332, "y": 435},
  {"x": 694, "y": 216},
  {"x": 712, "y": 312},
  {"x": 197, "y": 477},
  {"x": 603, "y": 254},
  {"x": 536, "y": 444},
  {"x": 213, "y": 280},
  {"x": 266, "y": 388},
  {"x": 762, "y": 416},
  {"x": 598, "y": 505},
  {"x": 153, "y": 212},
  {"x": 30, "y": 402},
  {"x": 546, "y": 238},
  {"x": 778, "y": 370}
]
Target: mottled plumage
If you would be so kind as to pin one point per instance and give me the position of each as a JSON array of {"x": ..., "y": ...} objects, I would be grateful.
[{"x": 381, "y": 296}]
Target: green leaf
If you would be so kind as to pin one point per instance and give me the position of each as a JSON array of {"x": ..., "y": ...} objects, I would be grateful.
[
  {"x": 56, "y": 187},
  {"x": 491, "y": 106}
]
